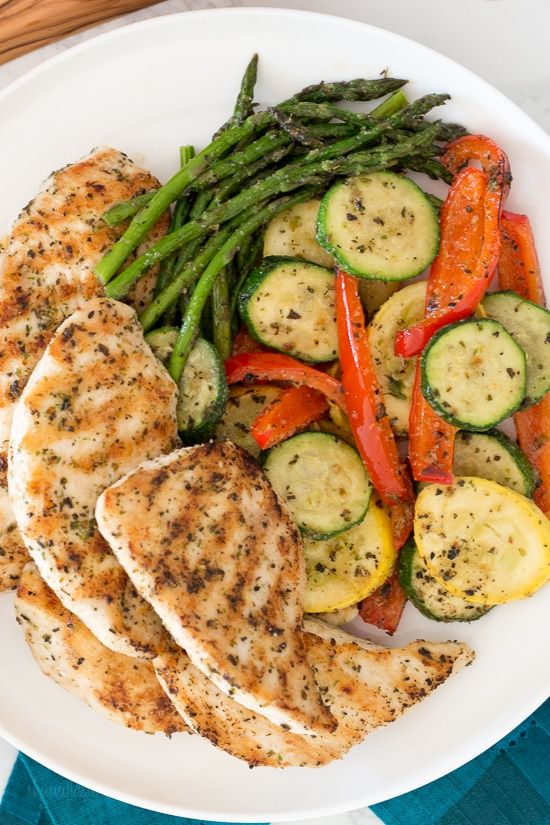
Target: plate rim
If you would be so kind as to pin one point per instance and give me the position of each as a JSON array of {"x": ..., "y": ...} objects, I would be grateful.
[{"x": 497, "y": 729}]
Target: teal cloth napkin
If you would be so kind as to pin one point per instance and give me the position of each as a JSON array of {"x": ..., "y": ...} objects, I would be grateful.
[
  {"x": 38, "y": 796},
  {"x": 507, "y": 785}
]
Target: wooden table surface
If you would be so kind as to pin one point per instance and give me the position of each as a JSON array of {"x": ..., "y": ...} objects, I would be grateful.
[{"x": 27, "y": 24}]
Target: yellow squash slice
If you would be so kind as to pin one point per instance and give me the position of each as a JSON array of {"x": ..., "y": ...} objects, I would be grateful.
[
  {"x": 395, "y": 374},
  {"x": 348, "y": 567},
  {"x": 484, "y": 542}
]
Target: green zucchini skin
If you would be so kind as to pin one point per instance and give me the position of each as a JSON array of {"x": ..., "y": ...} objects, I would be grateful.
[
  {"x": 304, "y": 325},
  {"x": 428, "y": 596},
  {"x": 162, "y": 342},
  {"x": 492, "y": 396},
  {"x": 305, "y": 466},
  {"x": 383, "y": 245},
  {"x": 203, "y": 393},
  {"x": 529, "y": 326},
  {"x": 494, "y": 456}
]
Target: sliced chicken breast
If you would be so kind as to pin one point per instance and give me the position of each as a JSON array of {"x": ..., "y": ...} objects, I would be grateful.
[
  {"x": 232, "y": 727},
  {"x": 205, "y": 540},
  {"x": 97, "y": 404},
  {"x": 123, "y": 689},
  {"x": 13, "y": 555},
  {"x": 366, "y": 686},
  {"x": 47, "y": 267}
]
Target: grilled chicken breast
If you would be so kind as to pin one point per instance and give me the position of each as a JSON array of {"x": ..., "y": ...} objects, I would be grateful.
[
  {"x": 232, "y": 727},
  {"x": 97, "y": 404},
  {"x": 205, "y": 540},
  {"x": 121, "y": 688},
  {"x": 366, "y": 686},
  {"x": 47, "y": 269},
  {"x": 13, "y": 555}
]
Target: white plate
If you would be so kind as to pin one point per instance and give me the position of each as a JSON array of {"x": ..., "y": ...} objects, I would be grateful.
[{"x": 146, "y": 89}]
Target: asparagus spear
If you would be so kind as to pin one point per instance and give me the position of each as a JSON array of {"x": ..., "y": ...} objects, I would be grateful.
[
  {"x": 224, "y": 255},
  {"x": 231, "y": 184},
  {"x": 327, "y": 111},
  {"x": 394, "y": 103},
  {"x": 222, "y": 337},
  {"x": 244, "y": 106},
  {"x": 229, "y": 166},
  {"x": 324, "y": 163},
  {"x": 127, "y": 209},
  {"x": 181, "y": 212},
  {"x": 247, "y": 258},
  {"x": 431, "y": 167},
  {"x": 358, "y": 89},
  {"x": 184, "y": 278},
  {"x": 293, "y": 128},
  {"x": 271, "y": 142},
  {"x": 144, "y": 221}
]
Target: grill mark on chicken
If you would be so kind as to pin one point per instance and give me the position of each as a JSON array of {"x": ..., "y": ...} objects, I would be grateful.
[
  {"x": 123, "y": 689},
  {"x": 205, "y": 540},
  {"x": 96, "y": 406}
]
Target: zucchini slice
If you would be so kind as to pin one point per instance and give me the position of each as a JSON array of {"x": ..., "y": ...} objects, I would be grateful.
[
  {"x": 529, "y": 326},
  {"x": 428, "y": 596},
  {"x": 395, "y": 374},
  {"x": 322, "y": 480},
  {"x": 202, "y": 393},
  {"x": 243, "y": 405},
  {"x": 379, "y": 226},
  {"x": 162, "y": 342},
  {"x": 288, "y": 305},
  {"x": 482, "y": 541},
  {"x": 292, "y": 234},
  {"x": 349, "y": 567},
  {"x": 494, "y": 456},
  {"x": 473, "y": 374}
]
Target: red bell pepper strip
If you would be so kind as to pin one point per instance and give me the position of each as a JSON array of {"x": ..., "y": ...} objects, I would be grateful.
[
  {"x": 271, "y": 366},
  {"x": 459, "y": 276},
  {"x": 533, "y": 430},
  {"x": 402, "y": 520},
  {"x": 431, "y": 441},
  {"x": 519, "y": 270},
  {"x": 244, "y": 342},
  {"x": 295, "y": 409},
  {"x": 367, "y": 414},
  {"x": 480, "y": 148},
  {"x": 384, "y": 607},
  {"x": 518, "y": 267},
  {"x": 458, "y": 290}
]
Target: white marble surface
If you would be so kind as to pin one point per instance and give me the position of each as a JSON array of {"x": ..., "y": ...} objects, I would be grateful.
[{"x": 504, "y": 41}]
